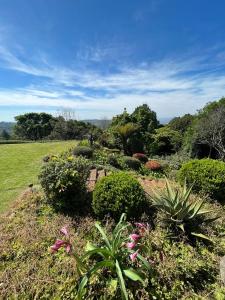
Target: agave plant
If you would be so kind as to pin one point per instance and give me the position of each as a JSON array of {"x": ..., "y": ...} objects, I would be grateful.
[
  {"x": 115, "y": 256},
  {"x": 177, "y": 204}
]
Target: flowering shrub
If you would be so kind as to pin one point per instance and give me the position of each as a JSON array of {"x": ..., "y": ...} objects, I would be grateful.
[
  {"x": 118, "y": 193},
  {"x": 64, "y": 181},
  {"x": 113, "y": 261},
  {"x": 153, "y": 165},
  {"x": 141, "y": 156}
]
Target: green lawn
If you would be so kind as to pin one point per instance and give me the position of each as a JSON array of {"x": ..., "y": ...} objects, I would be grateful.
[{"x": 20, "y": 165}]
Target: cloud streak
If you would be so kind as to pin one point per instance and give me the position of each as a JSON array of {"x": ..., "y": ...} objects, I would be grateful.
[{"x": 171, "y": 87}]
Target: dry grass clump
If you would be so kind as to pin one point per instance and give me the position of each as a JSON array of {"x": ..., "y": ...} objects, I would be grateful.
[{"x": 28, "y": 270}]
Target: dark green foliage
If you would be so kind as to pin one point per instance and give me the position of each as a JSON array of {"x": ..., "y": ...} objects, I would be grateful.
[
  {"x": 5, "y": 135},
  {"x": 181, "y": 123},
  {"x": 145, "y": 118},
  {"x": 128, "y": 137},
  {"x": 113, "y": 160},
  {"x": 165, "y": 141},
  {"x": 206, "y": 175},
  {"x": 131, "y": 163},
  {"x": 33, "y": 126},
  {"x": 118, "y": 193},
  {"x": 131, "y": 131},
  {"x": 64, "y": 181},
  {"x": 72, "y": 129},
  {"x": 83, "y": 151},
  {"x": 141, "y": 156}
]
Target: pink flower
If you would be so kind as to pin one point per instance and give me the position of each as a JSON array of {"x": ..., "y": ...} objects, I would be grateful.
[
  {"x": 68, "y": 248},
  {"x": 60, "y": 243},
  {"x": 131, "y": 245},
  {"x": 140, "y": 225},
  {"x": 133, "y": 256},
  {"x": 135, "y": 237},
  {"x": 64, "y": 230}
]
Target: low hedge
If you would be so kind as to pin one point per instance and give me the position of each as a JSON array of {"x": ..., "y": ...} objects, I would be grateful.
[
  {"x": 83, "y": 151},
  {"x": 131, "y": 163},
  {"x": 206, "y": 175}
]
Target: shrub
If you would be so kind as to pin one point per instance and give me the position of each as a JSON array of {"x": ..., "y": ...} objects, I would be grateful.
[
  {"x": 64, "y": 181},
  {"x": 131, "y": 163},
  {"x": 178, "y": 206},
  {"x": 206, "y": 175},
  {"x": 118, "y": 193},
  {"x": 153, "y": 165},
  {"x": 141, "y": 156},
  {"x": 113, "y": 160},
  {"x": 83, "y": 151}
]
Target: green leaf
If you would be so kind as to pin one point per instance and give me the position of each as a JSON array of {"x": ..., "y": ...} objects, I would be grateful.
[
  {"x": 133, "y": 275},
  {"x": 202, "y": 236},
  {"x": 103, "y": 235},
  {"x": 89, "y": 247},
  {"x": 145, "y": 262},
  {"x": 122, "y": 282},
  {"x": 82, "y": 285},
  {"x": 101, "y": 251},
  {"x": 112, "y": 286}
]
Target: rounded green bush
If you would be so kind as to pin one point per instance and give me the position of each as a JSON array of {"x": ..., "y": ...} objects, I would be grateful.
[
  {"x": 131, "y": 163},
  {"x": 118, "y": 193},
  {"x": 63, "y": 180},
  {"x": 83, "y": 151},
  {"x": 206, "y": 175}
]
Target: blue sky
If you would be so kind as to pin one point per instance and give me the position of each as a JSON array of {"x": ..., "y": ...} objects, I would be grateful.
[{"x": 99, "y": 56}]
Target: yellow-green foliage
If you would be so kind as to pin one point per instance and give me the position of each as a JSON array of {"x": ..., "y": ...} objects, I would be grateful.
[
  {"x": 118, "y": 193},
  {"x": 206, "y": 175}
]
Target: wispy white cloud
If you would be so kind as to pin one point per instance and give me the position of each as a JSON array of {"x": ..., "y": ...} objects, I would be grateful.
[{"x": 171, "y": 87}]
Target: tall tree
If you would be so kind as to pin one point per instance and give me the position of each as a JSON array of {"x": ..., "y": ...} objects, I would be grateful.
[
  {"x": 33, "y": 126},
  {"x": 145, "y": 118}
]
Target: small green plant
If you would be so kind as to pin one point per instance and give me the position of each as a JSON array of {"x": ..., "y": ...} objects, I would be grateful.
[
  {"x": 117, "y": 193},
  {"x": 206, "y": 175},
  {"x": 112, "y": 261},
  {"x": 178, "y": 206},
  {"x": 87, "y": 152},
  {"x": 64, "y": 180},
  {"x": 131, "y": 163}
]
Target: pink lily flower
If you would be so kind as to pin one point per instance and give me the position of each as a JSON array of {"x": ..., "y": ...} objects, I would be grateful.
[
  {"x": 131, "y": 245},
  {"x": 60, "y": 243},
  {"x": 135, "y": 237},
  {"x": 133, "y": 256},
  {"x": 64, "y": 230}
]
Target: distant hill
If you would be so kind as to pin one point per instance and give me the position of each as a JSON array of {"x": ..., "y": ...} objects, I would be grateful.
[{"x": 103, "y": 124}]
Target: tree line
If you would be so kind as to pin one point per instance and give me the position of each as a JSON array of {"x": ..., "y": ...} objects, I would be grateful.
[{"x": 199, "y": 135}]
